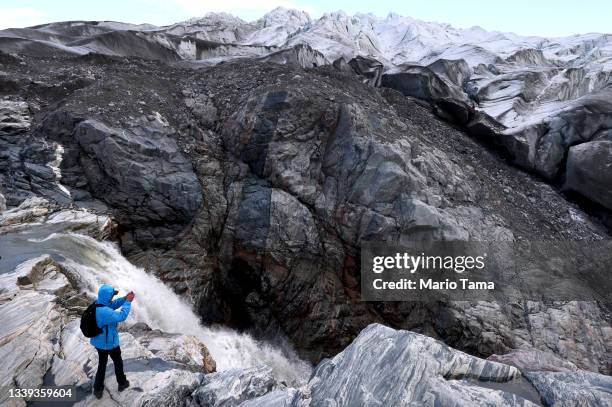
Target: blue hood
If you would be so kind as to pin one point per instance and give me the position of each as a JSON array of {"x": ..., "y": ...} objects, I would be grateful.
[
  {"x": 108, "y": 317},
  {"x": 105, "y": 293}
]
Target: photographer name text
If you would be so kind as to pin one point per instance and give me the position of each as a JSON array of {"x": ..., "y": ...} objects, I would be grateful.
[{"x": 411, "y": 264}]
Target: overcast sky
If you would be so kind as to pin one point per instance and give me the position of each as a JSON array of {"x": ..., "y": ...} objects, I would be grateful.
[{"x": 526, "y": 17}]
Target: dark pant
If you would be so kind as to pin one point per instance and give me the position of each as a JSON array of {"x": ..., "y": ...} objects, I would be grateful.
[{"x": 115, "y": 355}]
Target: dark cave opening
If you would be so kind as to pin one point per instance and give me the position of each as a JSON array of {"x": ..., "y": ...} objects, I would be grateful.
[{"x": 240, "y": 280}]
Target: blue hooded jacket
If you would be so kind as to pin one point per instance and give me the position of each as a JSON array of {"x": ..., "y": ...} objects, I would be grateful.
[{"x": 107, "y": 318}]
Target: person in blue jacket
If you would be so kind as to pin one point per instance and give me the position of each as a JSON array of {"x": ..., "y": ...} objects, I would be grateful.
[{"x": 107, "y": 343}]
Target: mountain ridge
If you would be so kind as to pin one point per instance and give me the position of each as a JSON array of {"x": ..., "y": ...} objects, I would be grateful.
[{"x": 530, "y": 85}]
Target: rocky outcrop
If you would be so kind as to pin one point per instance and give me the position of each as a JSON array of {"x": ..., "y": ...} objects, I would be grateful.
[
  {"x": 14, "y": 117},
  {"x": 387, "y": 367},
  {"x": 398, "y": 367},
  {"x": 589, "y": 171},
  {"x": 39, "y": 210},
  {"x": 139, "y": 172},
  {"x": 323, "y": 171},
  {"x": 233, "y": 387},
  {"x": 448, "y": 100},
  {"x": 572, "y": 389}
]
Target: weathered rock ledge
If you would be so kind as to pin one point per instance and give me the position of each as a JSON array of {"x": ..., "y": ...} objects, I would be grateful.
[{"x": 387, "y": 367}]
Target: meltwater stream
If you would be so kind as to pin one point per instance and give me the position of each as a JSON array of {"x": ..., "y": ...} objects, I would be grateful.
[{"x": 96, "y": 262}]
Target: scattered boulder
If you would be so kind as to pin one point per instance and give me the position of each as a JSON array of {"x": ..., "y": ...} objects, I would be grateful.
[
  {"x": 202, "y": 108},
  {"x": 589, "y": 171},
  {"x": 232, "y": 387},
  {"x": 185, "y": 349}
]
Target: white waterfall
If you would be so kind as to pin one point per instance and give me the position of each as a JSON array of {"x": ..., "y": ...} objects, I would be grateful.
[{"x": 159, "y": 307}]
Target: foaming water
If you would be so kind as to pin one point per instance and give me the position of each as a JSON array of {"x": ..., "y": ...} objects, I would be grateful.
[{"x": 159, "y": 307}]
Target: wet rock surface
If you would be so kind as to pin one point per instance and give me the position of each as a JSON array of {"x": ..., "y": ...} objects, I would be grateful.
[
  {"x": 41, "y": 344},
  {"x": 233, "y": 387},
  {"x": 387, "y": 367}
]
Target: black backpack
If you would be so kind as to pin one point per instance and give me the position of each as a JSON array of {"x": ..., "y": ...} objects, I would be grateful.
[{"x": 89, "y": 327}]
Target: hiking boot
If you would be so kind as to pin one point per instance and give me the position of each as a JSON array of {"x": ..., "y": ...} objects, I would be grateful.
[
  {"x": 124, "y": 385},
  {"x": 98, "y": 393}
]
